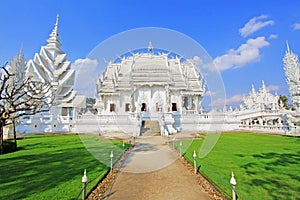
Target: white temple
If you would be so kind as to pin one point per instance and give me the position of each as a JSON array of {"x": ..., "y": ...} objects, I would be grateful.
[
  {"x": 151, "y": 85},
  {"x": 262, "y": 110},
  {"x": 261, "y": 100},
  {"x": 51, "y": 65},
  {"x": 152, "y": 90},
  {"x": 148, "y": 83}
]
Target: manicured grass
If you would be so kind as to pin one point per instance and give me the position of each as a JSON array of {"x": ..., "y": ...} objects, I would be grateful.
[
  {"x": 265, "y": 166},
  {"x": 51, "y": 166}
]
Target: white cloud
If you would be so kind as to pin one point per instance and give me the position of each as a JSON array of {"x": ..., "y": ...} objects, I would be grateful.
[
  {"x": 273, "y": 88},
  {"x": 296, "y": 26},
  {"x": 86, "y": 76},
  {"x": 273, "y": 36},
  {"x": 209, "y": 93},
  {"x": 255, "y": 24},
  {"x": 246, "y": 53},
  {"x": 235, "y": 99}
]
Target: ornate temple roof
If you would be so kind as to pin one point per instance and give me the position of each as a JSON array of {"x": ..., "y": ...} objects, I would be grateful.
[
  {"x": 261, "y": 99},
  {"x": 150, "y": 69}
]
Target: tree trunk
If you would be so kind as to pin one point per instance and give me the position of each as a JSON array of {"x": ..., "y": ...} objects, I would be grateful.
[
  {"x": 1, "y": 139},
  {"x": 14, "y": 132}
]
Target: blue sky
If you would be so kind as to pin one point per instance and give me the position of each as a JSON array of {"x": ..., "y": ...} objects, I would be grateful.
[{"x": 247, "y": 37}]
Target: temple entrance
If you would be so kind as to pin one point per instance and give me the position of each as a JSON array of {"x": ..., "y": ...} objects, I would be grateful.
[
  {"x": 174, "y": 107},
  {"x": 144, "y": 107}
]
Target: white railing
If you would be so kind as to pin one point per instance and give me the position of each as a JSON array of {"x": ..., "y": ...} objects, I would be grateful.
[
  {"x": 103, "y": 116},
  {"x": 189, "y": 112}
]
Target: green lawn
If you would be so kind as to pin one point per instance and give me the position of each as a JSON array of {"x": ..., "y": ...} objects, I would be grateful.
[
  {"x": 51, "y": 166},
  {"x": 265, "y": 166}
]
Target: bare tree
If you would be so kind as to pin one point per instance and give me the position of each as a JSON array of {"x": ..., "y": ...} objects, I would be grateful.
[
  {"x": 3, "y": 113},
  {"x": 17, "y": 68},
  {"x": 27, "y": 97}
]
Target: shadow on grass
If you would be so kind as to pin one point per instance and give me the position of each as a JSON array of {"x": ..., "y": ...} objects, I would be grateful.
[
  {"x": 276, "y": 173},
  {"x": 26, "y": 175},
  {"x": 51, "y": 166}
]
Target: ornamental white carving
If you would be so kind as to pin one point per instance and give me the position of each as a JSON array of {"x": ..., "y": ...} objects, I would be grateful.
[{"x": 291, "y": 69}]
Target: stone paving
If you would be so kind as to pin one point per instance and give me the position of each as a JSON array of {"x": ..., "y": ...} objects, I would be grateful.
[{"x": 153, "y": 171}]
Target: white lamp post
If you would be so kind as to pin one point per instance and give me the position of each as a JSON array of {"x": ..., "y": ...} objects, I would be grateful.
[
  {"x": 111, "y": 160},
  {"x": 180, "y": 151},
  {"x": 123, "y": 147},
  {"x": 84, "y": 180},
  {"x": 195, "y": 167},
  {"x": 233, "y": 184}
]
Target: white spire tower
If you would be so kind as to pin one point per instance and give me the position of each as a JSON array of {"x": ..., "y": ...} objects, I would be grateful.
[
  {"x": 292, "y": 72},
  {"x": 51, "y": 65}
]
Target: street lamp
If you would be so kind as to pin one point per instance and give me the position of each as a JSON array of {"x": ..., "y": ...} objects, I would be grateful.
[
  {"x": 84, "y": 180},
  {"x": 123, "y": 147},
  {"x": 111, "y": 159},
  {"x": 233, "y": 184},
  {"x": 180, "y": 145},
  {"x": 195, "y": 167}
]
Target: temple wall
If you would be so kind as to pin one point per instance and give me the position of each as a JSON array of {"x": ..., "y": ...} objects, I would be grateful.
[{"x": 130, "y": 124}]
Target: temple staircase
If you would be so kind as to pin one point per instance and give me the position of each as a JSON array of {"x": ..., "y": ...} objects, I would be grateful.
[{"x": 150, "y": 128}]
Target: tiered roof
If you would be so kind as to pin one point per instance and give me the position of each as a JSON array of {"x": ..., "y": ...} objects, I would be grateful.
[
  {"x": 150, "y": 69},
  {"x": 51, "y": 65}
]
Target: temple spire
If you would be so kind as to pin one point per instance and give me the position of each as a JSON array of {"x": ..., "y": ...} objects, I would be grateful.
[
  {"x": 288, "y": 47},
  {"x": 150, "y": 47},
  {"x": 253, "y": 89},
  {"x": 21, "y": 51},
  {"x": 263, "y": 86},
  {"x": 54, "y": 36}
]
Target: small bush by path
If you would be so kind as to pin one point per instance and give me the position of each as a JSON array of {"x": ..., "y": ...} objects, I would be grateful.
[
  {"x": 265, "y": 166},
  {"x": 51, "y": 166}
]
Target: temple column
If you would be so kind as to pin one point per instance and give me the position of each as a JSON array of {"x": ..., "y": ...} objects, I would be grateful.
[
  {"x": 190, "y": 102},
  {"x": 167, "y": 98},
  {"x": 260, "y": 121}
]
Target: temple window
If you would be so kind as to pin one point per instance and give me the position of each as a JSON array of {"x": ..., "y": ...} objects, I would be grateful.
[
  {"x": 174, "y": 107},
  {"x": 112, "y": 107},
  {"x": 185, "y": 103},
  {"x": 70, "y": 111},
  {"x": 64, "y": 111},
  {"x": 144, "y": 107},
  {"x": 127, "y": 107}
]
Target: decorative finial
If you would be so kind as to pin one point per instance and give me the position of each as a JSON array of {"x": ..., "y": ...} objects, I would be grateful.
[
  {"x": 56, "y": 25},
  {"x": 287, "y": 46},
  {"x": 263, "y": 85},
  {"x": 57, "y": 18},
  {"x": 54, "y": 36},
  {"x": 253, "y": 89},
  {"x": 150, "y": 47},
  {"x": 21, "y": 49}
]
